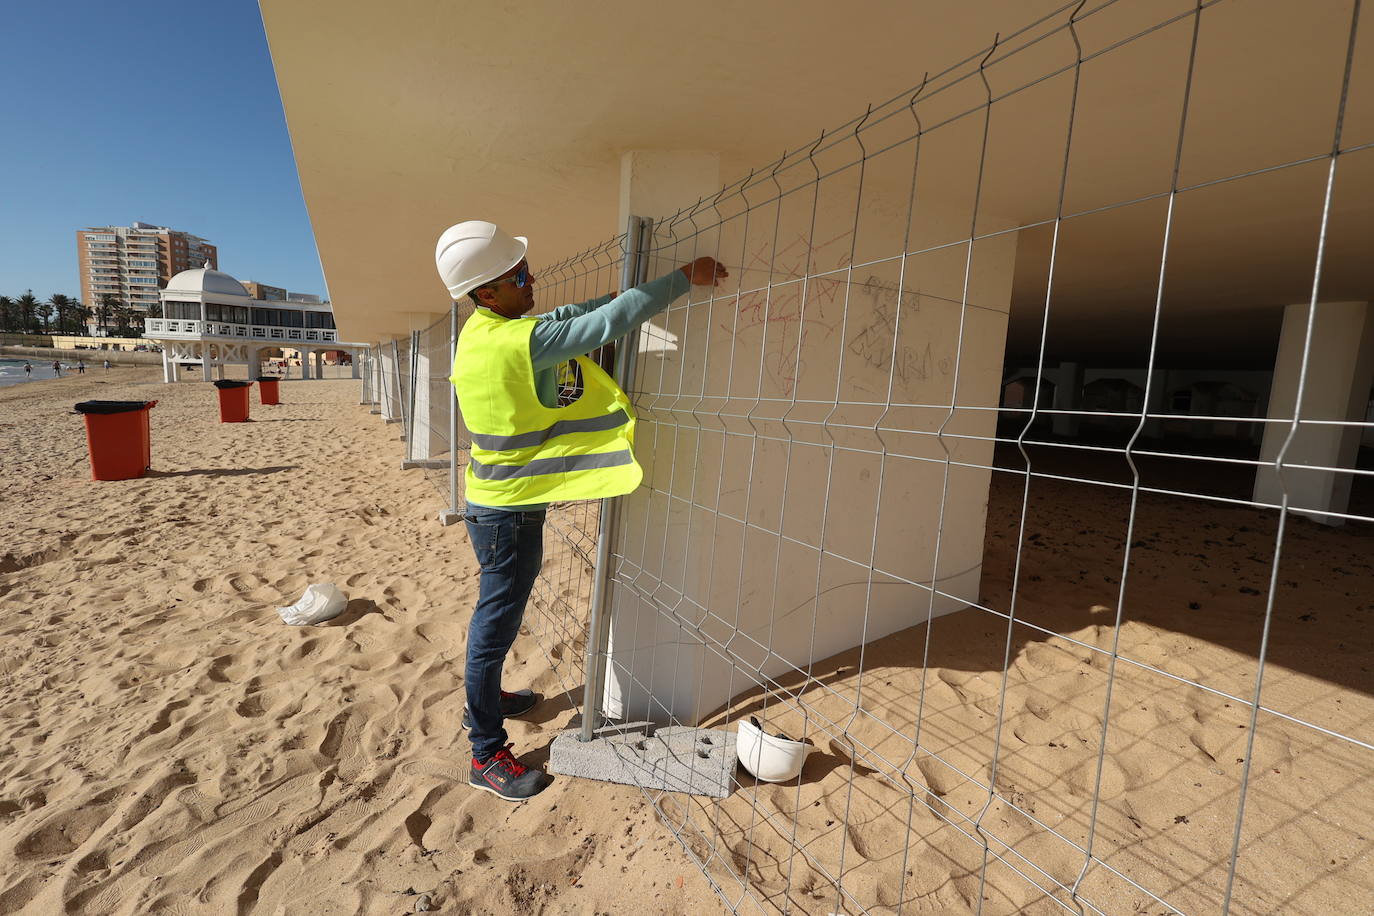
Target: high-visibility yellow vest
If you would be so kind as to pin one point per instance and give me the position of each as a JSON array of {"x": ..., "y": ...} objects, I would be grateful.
[{"x": 524, "y": 452}]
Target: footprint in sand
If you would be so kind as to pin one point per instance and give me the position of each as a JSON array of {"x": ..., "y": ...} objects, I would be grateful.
[
  {"x": 1222, "y": 736},
  {"x": 63, "y": 832},
  {"x": 164, "y": 717}
]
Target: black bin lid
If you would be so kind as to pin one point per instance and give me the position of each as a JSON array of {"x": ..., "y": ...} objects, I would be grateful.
[
  {"x": 269, "y": 378},
  {"x": 111, "y": 406},
  {"x": 231, "y": 383}
]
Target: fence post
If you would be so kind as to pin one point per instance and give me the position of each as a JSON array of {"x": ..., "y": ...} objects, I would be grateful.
[
  {"x": 452, "y": 515},
  {"x": 599, "y": 625},
  {"x": 394, "y": 385},
  {"x": 414, "y": 361}
]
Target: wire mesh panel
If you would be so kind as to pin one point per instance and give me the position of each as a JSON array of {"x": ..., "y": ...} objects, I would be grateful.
[
  {"x": 1003, "y": 471},
  {"x": 438, "y": 441},
  {"x": 559, "y": 605}
]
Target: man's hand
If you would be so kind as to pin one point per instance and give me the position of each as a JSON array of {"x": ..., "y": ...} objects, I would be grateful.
[{"x": 704, "y": 272}]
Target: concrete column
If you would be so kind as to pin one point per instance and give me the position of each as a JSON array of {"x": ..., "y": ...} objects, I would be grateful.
[
  {"x": 429, "y": 412},
  {"x": 1068, "y": 395},
  {"x": 388, "y": 389},
  {"x": 305, "y": 364},
  {"x": 207, "y": 365},
  {"x": 1340, "y": 371},
  {"x": 429, "y": 423},
  {"x": 374, "y": 371},
  {"x": 355, "y": 367},
  {"x": 1158, "y": 402},
  {"x": 654, "y": 183},
  {"x": 166, "y": 367}
]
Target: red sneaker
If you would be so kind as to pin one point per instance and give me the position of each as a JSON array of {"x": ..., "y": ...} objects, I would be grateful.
[{"x": 503, "y": 775}]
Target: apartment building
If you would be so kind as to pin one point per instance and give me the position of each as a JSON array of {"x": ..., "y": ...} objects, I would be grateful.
[
  {"x": 133, "y": 262},
  {"x": 276, "y": 293},
  {"x": 265, "y": 292}
]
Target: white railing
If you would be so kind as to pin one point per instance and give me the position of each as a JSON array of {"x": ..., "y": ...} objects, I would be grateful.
[{"x": 184, "y": 328}]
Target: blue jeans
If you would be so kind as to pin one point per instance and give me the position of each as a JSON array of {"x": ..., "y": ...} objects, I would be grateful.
[{"x": 510, "y": 550}]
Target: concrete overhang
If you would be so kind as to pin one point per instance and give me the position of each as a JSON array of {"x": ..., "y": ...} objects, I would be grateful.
[{"x": 408, "y": 116}]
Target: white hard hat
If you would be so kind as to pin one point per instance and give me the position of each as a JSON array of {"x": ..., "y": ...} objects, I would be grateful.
[
  {"x": 771, "y": 758},
  {"x": 475, "y": 252}
]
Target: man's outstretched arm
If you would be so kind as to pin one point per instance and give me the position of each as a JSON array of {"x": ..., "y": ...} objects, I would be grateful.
[{"x": 557, "y": 339}]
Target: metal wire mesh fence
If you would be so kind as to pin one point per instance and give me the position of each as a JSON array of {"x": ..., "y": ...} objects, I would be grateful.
[
  {"x": 858, "y": 435},
  {"x": 557, "y": 614},
  {"x": 437, "y": 441}
]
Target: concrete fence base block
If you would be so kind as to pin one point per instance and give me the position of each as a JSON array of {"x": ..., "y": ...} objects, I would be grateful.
[
  {"x": 698, "y": 761},
  {"x": 433, "y": 464},
  {"x": 393, "y": 420},
  {"x": 449, "y": 517}
]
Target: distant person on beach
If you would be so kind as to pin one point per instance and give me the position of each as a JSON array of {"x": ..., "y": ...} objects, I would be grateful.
[
  {"x": 56, "y": 368},
  {"x": 107, "y": 365},
  {"x": 28, "y": 368},
  {"x": 80, "y": 367},
  {"x": 527, "y": 452}
]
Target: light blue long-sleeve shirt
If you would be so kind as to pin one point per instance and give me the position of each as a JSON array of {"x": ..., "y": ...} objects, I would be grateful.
[{"x": 578, "y": 329}]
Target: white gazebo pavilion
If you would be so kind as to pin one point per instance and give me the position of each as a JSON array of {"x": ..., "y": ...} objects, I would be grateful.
[{"x": 209, "y": 319}]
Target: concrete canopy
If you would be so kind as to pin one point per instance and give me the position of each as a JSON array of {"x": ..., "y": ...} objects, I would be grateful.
[{"x": 409, "y": 116}]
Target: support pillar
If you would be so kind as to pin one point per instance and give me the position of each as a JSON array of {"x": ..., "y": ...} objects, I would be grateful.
[
  {"x": 1158, "y": 402},
  {"x": 388, "y": 383},
  {"x": 374, "y": 370},
  {"x": 207, "y": 363},
  {"x": 1068, "y": 395},
  {"x": 166, "y": 368},
  {"x": 653, "y": 183},
  {"x": 305, "y": 364},
  {"x": 429, "y": 409},
  {"x": 1340, "y": 371},
  {"x": 354, "y": 364},
  {"x": 659, "y": 663}
]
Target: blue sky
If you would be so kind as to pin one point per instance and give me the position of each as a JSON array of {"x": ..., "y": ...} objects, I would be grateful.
[{"x": 155, "y": 111}]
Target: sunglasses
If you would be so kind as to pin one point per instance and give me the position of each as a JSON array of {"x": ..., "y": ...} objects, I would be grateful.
[{"x": 519, "y": 278}]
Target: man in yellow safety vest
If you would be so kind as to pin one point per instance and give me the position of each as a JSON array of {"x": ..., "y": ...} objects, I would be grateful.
[{"x": 528, "y": 451}]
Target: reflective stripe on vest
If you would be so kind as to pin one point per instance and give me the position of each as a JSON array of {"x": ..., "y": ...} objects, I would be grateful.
[
  {"x": 540, "y": 436},
  {"x": 560, "y": 465}
]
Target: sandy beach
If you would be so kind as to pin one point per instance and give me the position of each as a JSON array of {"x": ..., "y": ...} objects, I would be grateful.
[{"x": 174, "y": 748}]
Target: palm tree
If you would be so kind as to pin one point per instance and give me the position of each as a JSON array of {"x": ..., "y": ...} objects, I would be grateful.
[
  {"x": 28, "y": 312},
  {"x": 8, "y": 314},
  {"x": 124, "y": 315},
  {"x": 108, "y": 303},
  {"x": 83, "y": 316},
  {"x": 63, "y": 306}
]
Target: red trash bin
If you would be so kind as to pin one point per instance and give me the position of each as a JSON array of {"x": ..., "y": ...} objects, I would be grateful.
[
  {"x": 268, "y": 389},
  {"x": 117, "y": 438},
  {"x": 233, "y": 400}
]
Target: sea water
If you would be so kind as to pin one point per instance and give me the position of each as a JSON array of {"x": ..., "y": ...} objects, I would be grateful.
[{"x": 12, "y": 370}]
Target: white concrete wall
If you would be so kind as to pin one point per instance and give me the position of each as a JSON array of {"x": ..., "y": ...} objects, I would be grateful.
[
  {"x": 433, "y": 394},
  {"x": 795, "y": 338},
  {"x": 1340, "y": 370}
]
